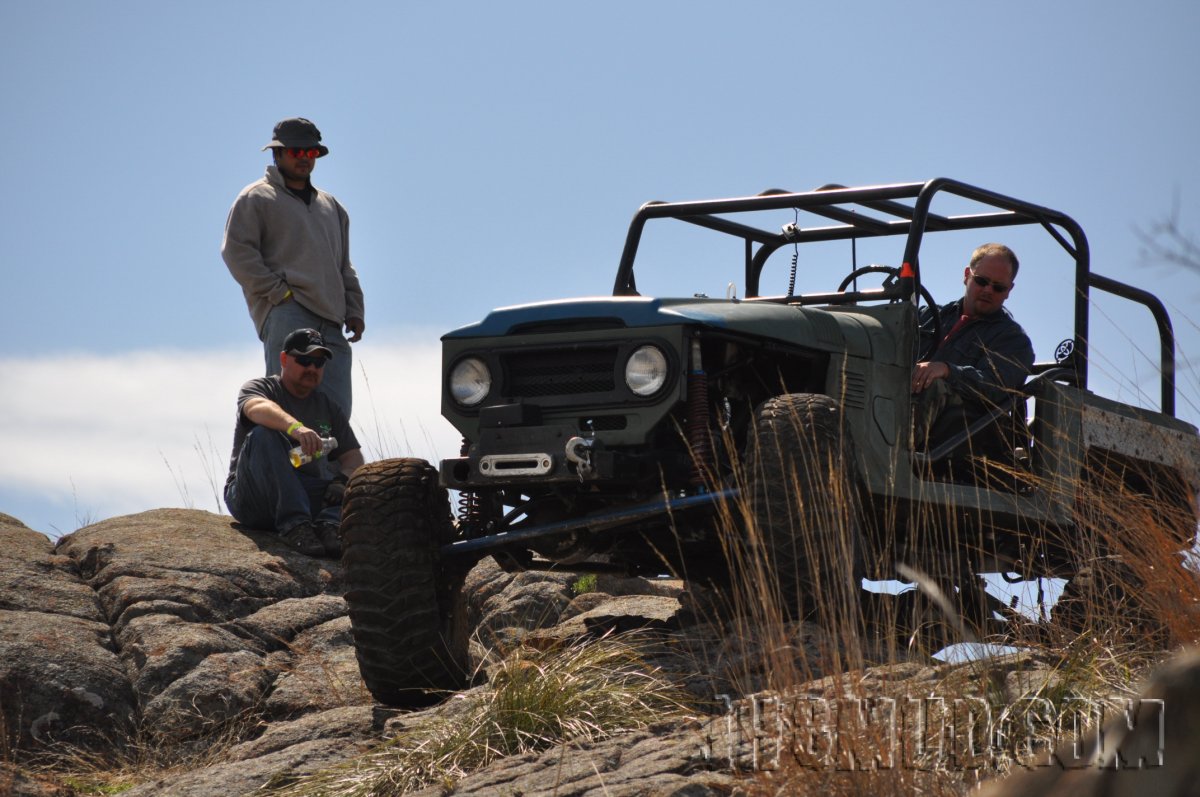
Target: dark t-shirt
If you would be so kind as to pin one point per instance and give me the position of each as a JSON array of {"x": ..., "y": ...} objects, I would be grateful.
[{"x": 316, "y": 411}]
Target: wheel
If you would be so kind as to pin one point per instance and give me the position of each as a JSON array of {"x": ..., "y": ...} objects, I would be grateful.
[
  {"x": 805, "y": 506},
  {"x": 1108, "y": 599},
  {"x": 894, "y": 273},
  {"x": 402, "y": 600}
]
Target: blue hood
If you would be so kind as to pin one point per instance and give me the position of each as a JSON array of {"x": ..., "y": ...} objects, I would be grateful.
[
  {"x": 627, "y": 311},
  {"x": 812, "y": 327}
]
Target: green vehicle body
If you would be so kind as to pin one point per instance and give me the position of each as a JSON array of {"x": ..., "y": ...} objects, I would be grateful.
[
  {"x": 584, "y": 450},
  {"x": 525, "y": 499}
]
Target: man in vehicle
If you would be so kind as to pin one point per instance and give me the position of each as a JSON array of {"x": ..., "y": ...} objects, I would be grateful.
[
  {"x": 288, "y": 245},
  {"x": 982, "y": 357},
  {"x": 276, "y": 413}
]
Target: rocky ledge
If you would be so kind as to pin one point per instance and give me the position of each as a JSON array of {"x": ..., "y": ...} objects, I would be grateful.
[{"x": 175, "y": 630}]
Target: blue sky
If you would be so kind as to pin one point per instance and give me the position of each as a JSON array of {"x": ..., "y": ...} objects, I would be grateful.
[{"x": 492, "y": 154}]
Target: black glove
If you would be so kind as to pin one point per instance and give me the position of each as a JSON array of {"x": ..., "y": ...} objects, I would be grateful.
[{"x": 335, "y": 491}]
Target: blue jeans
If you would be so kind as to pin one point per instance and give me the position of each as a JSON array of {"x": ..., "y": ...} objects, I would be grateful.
[
  {"x": 268, "y": 493},
  {"x": 286, "y": 318}
]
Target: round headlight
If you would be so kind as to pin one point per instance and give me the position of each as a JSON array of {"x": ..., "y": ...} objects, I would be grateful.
[
  {"x": 646, "y": 371},
  {"x": 470, "y": 381}
]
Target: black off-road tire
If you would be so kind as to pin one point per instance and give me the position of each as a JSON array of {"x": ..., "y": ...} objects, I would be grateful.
[
  {"x": 1089, "y": 595},
  {"x": 806, "y": 507},
  {"x": 1106, "y": 597},
  {"x": 404, "y": 612}
]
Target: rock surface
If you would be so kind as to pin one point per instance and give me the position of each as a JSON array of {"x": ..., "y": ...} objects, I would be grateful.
[
  {"x": 176, "y": 630},
  {"x": 1157, "y": 756},
  {"x": 61, "y": 676}
]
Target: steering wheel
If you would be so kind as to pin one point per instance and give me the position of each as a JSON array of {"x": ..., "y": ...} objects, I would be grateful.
[{"x": 926, "y": 296}]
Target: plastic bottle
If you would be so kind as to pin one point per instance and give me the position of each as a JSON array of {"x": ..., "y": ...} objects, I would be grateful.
[{"x": 300, "y": 458}]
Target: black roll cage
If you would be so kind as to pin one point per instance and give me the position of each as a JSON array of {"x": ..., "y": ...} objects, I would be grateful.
[{"x": 879, "y": 210}]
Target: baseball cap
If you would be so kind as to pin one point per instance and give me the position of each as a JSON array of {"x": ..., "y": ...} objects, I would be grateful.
[{"x": 306, "y": 341}]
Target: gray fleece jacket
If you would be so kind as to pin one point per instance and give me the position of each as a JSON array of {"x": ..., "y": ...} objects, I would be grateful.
[{"x": 274, "y": 243}]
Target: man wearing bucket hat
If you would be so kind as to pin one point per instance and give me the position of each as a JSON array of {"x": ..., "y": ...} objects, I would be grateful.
[
  {"x": 287, "y": 243},
  {"x": 264, "y": 488}
]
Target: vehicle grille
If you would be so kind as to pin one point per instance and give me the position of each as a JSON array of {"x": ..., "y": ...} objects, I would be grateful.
[{"x": 534, "y": 374}]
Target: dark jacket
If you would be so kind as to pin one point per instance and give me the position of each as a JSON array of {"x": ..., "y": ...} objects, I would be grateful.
[{"x": 989, "y": 358}]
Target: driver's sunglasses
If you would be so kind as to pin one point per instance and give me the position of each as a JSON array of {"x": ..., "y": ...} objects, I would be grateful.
[
  {"x": 309, "y": 362},
  {"x": 311, "y": 154},
  {"x": 983, "y": 282}
]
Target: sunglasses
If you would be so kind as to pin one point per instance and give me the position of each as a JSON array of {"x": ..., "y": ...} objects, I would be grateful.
[
  {"x": 983, "y": 282},
  {"x": 309, "y": 362},
  {"x": 312, "y": 153}
]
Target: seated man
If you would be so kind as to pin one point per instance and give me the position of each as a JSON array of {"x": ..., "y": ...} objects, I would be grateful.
[
  {"x": 983, "y": 356},
  {"x": 275, "y": 413}
]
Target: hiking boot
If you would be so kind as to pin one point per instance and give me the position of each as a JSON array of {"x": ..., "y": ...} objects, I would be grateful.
[
  {"x": 302, "y": 538},
  {"x": 327, "y": 533}
]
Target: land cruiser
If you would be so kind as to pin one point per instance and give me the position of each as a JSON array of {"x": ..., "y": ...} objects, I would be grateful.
[{"x": 650, "y": 434}]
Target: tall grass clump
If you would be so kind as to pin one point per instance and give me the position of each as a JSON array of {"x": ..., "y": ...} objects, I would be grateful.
[
  {"x": 796, "y": 540},
  {"x": 798, "y": 521},
  {"x": 132, "y": 756},
  {"x": 792, "y": 545},
  {"x": 570, "y": 694},
  {"x": 1135, "y": 527}
]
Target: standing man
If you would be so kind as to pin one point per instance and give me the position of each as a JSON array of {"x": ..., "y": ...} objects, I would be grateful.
[
  {"x": 287, "y": 244},
  {"x": 276, "y": 413},
  {"x": 984, "y": 355}
]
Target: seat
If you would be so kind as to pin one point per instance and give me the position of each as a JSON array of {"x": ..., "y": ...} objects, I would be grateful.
[{"x": 992, "y": 450}]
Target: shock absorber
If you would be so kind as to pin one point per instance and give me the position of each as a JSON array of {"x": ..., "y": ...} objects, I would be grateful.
[
  {"x": 697, "y": 419},
  {"x": 470, "y": 509}
]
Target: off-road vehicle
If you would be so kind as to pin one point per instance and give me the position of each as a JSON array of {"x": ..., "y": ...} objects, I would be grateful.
[{"x": 654, "y": 435}]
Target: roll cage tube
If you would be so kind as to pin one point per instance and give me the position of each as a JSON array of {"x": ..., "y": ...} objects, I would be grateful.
[
  {"x": 876, "y": 211},
  {"x": 1166, "y": 333}
]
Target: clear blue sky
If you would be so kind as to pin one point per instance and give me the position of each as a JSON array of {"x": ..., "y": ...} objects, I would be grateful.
[{"x": 493, "y": 153}]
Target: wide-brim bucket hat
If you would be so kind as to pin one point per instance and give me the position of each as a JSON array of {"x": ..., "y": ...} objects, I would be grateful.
[{"x": 297, "y": 132}]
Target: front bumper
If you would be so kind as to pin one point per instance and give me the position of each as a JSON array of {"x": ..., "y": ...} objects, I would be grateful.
[{"x": 543, "y": 455}]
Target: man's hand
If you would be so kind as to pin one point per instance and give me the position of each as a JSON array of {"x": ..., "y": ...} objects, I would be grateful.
[
  {"x": 355, "y": 327},
  {"x": 925, "y": 374},
  {"x": 309, "y": 440},
  {"x": 335, "y": 491},
  {"x": 349, "y": 462}
]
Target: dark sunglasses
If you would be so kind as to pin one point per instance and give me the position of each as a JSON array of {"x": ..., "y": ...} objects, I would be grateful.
[
  {"x": 296, "y": 152},
  {"x": 983, "y": 282},
  {"x": 309, "y": 362}
]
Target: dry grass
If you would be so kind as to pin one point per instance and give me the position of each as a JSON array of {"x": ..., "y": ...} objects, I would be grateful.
[
  {"x": 1136, "y": 526},
  {"x": 1131, "y": 602},
  {"x": 785, "y": 606},
  {"x": 143, "y": 755},
  {"x": 1139, "y": 603},
  {"x": 186, "y": 738},
  {"x": 536, "y": 700}
]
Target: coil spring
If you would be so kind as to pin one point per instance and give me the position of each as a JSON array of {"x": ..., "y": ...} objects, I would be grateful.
[
  {"x": 470, "y": 504},
  {"x": 471, "y": 510},
  {"x": 697, "y": 427}
]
